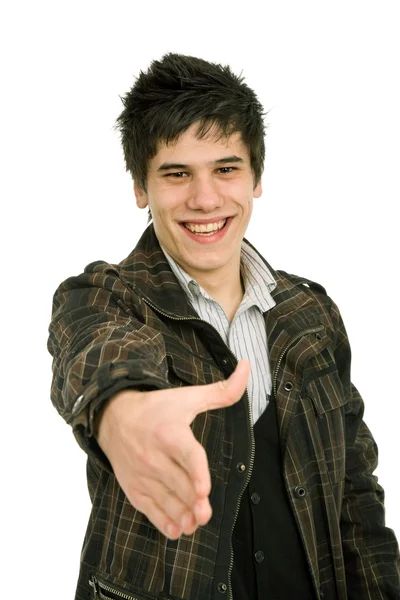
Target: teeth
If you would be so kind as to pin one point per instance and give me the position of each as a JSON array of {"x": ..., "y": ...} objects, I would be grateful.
[{"x": 205, "y": 229}]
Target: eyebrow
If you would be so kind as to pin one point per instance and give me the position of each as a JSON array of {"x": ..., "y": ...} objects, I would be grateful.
[{"x": 220, "y": 161}]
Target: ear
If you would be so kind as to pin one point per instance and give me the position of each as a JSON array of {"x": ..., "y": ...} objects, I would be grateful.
[
  {"x": 257, "y": 190},
  {"x": 141, "y": 196}
]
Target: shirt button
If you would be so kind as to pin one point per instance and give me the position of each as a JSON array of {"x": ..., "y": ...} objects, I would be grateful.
[
  {"x": 224, "y": 361},
  {"x": 255, "y": 498},
  {"x": 194, "y": 288},
  {"x": 259, "y": 556},
  {"x": 241, "y": 467},
  {"x": 222, "y": 588}
]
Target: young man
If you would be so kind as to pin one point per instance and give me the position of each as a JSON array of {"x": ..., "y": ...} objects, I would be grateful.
[{"x": 227, "y": 456}]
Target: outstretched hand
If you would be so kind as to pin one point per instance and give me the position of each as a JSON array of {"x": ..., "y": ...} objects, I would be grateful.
[{"x": 159, "y": 464}]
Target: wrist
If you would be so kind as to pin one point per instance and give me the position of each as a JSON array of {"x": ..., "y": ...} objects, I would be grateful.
[{"x": 111, "y": 413}]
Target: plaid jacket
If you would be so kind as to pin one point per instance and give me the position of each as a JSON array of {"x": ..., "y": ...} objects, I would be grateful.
[{"x": 130, "y": 325}]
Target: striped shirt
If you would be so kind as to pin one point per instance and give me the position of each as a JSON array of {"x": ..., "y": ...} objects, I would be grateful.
[{"x": 245, "y": 335}]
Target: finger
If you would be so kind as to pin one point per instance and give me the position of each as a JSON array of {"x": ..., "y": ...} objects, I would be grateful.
[
  {"x": 202, "y": 514},
  {"x": 168, "y": 514},
  {"x": 220, "y": 394},
  {"x": 168, "y": 502},
  {"x": 183, "y": 469},
  {"x": 180, "y": 462},
  {"x": 166, "y": 468},
  {"x": 191, "y": 457},
  {"x": 189, "y": 524},
  {"x": 202, "y": 511},
  {"x": 155, "y": 513}
]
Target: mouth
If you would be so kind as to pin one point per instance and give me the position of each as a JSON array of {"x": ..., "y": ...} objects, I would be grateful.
[{"x": 205, "y": 229}]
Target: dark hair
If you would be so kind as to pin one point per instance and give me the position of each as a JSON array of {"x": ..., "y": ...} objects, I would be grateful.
[{"x": 178, "y": 91}]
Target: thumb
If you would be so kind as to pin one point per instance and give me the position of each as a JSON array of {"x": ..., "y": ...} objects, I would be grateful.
[{"x": 223, "y": 393}]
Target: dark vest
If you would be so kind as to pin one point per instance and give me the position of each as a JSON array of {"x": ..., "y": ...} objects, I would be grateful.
[{"x": 269, "y": 559}]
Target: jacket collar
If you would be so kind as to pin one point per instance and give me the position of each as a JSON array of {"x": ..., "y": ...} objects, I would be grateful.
[
  {"x": 297, "y": 308},
  {"x": 147, "y": 271}
]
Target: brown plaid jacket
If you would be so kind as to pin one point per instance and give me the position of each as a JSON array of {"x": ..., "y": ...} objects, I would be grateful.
[{"x": 130, "y": 325}]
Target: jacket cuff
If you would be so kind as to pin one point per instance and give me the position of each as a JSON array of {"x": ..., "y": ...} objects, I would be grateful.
[{"x": 86, "y": 410}]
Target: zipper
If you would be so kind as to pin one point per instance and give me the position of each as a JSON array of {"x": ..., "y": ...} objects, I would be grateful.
[
  {"x": 99, "y": 586},
  {"x": 249, "y": 472},
  {"x": 250, "y": 429},
  {"x": 286, "y": 348},
  {"x": 93, "y": 584}
]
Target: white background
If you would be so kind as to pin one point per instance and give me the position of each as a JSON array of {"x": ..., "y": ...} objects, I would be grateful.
[{"x": 327, "y": 72}]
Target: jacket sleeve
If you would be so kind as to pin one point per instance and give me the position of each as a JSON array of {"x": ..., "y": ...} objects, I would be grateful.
[
  {"x": 370, "y": 549},
  {"x": 100, "y": 345}
]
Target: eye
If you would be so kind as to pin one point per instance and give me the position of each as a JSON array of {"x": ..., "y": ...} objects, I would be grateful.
[
  {"x": 177, "y": 175},
  {"x": 227, "y": 169}
]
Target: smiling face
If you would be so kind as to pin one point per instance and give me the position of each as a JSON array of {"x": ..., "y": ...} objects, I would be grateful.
[{"x": 200, "y": 193}]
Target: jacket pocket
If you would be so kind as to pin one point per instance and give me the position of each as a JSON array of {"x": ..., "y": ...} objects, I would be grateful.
[
  {"x": 326, "y": 394},
  {"x": 104, "y": 591}
]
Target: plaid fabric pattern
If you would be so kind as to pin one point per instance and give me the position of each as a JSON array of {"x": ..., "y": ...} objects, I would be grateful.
[{"x": 130, "y": 325}]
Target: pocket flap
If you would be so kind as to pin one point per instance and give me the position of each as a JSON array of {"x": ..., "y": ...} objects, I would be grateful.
[
  {"x": 326, "y": 392},
  {"x": 192, "y": 370}
]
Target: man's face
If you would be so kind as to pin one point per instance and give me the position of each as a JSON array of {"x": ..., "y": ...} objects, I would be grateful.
[{"x": 200, "y": 193}]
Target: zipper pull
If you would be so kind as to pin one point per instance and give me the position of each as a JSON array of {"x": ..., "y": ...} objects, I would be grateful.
[{"x": 93, "y": 584}]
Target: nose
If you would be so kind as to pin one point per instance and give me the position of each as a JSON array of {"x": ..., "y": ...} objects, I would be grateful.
[{"x": 204, "y": 194}]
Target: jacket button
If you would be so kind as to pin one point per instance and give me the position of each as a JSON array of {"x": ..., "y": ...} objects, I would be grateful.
[
  {"x": 222, "y": 588},
  {"x": 255, "y": 498},
  {"x": 300, "y": 491},
  {"x": 224, "y": 361},
  {"x": 288, "y": 386},
  {"x": 259, "y": 556},
  {"x": 241, "y": 467}
]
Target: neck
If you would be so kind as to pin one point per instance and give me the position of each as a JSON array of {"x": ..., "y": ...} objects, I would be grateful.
[{"x": 228, "y": 291}]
